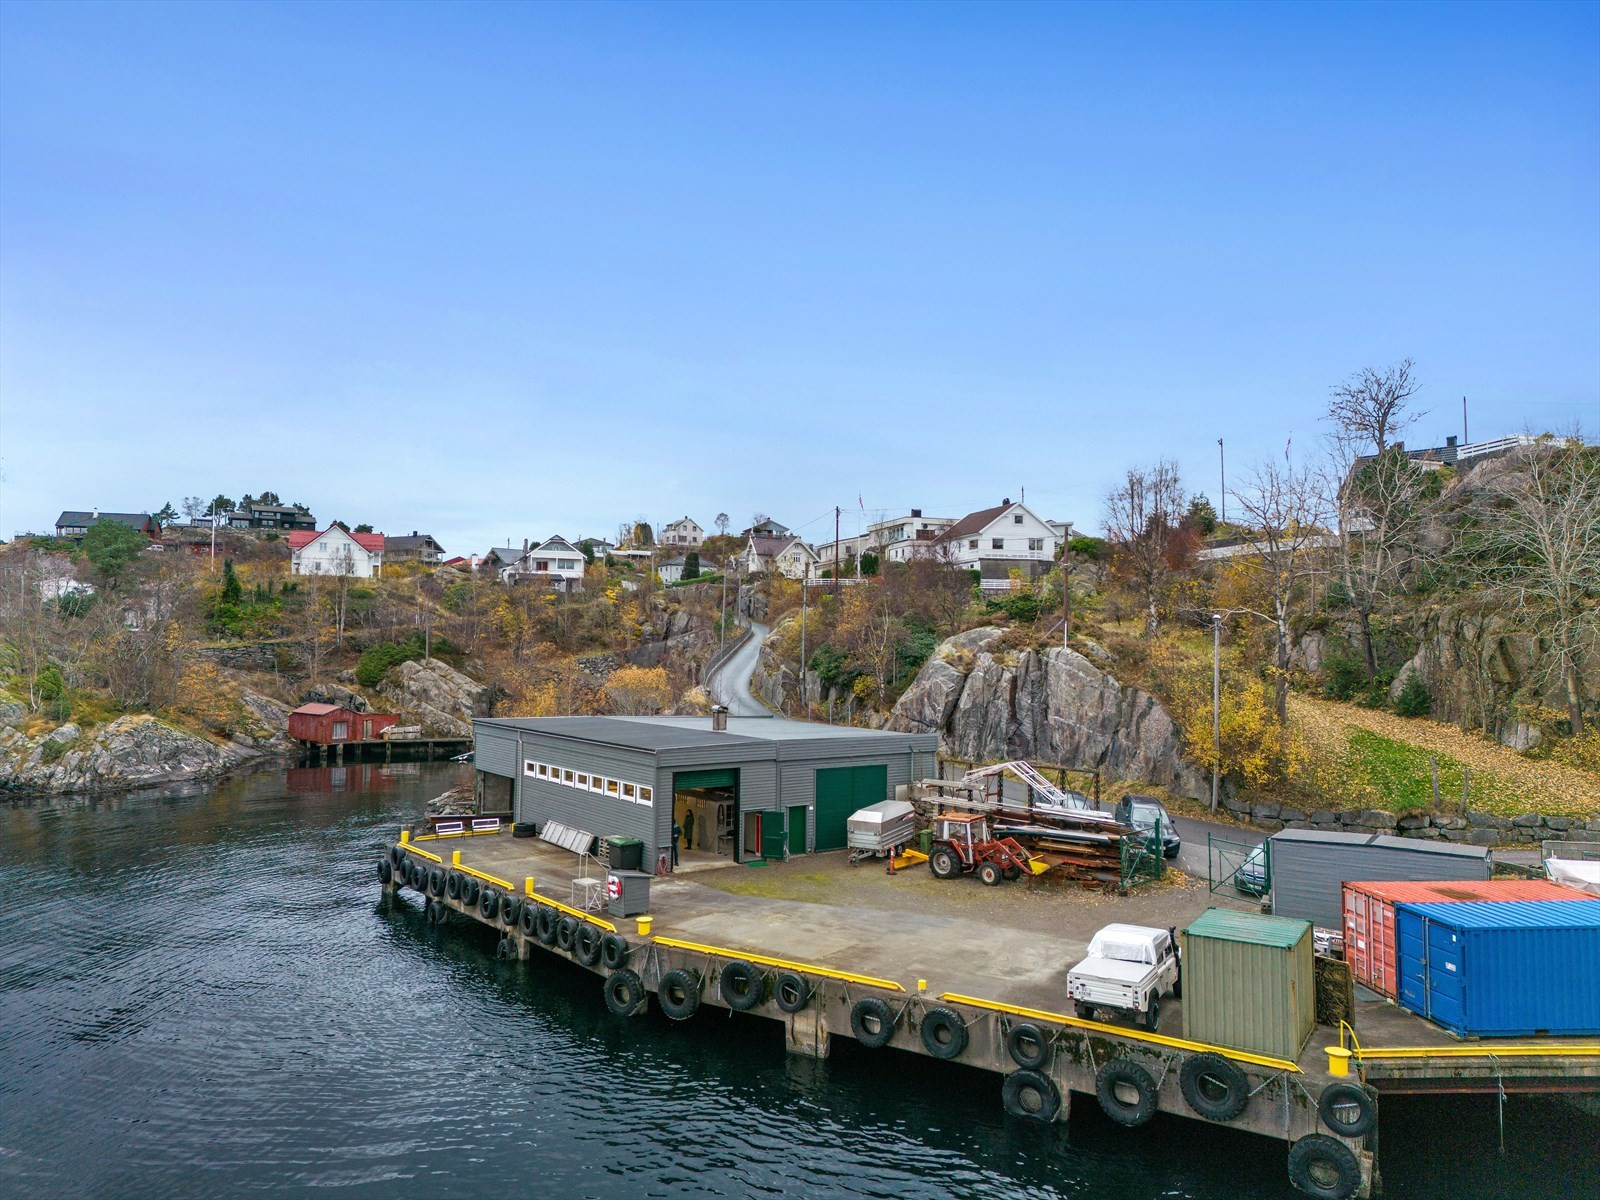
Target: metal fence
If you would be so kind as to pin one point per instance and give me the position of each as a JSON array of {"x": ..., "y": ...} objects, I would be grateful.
[
  {"x": 1142, "y": 858},
  {"x": 1238, "y": 866}
]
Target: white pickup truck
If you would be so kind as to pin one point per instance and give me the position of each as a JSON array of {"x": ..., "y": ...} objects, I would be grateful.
[{"x": 1129, "y": 969}]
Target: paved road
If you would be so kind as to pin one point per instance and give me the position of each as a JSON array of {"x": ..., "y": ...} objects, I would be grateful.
[{"x": 730, "y": 684}]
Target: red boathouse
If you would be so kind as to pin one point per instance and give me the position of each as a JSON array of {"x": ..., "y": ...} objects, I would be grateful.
[{"x": 328, "y": 724}]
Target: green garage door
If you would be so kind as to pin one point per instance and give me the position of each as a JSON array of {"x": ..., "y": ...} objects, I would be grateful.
[{"x": 840, "y": 792}]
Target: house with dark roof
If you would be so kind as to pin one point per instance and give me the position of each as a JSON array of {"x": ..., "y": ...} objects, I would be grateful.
[
  {"x": 996, "y": 541},
  {"x": 73, "y": 525},
  {"x": 554, "y": 562},
  {"x": 499, "y": 559},
  {"x": 418, "y": 548},
  {"x": 768, "y": 528},
  {"x": 270, "y": 516},
  {"x": 787, "y": 555},
  {"x": 335, "y": 551}
]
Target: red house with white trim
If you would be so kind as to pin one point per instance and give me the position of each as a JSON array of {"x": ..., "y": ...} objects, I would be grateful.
[{"x": 335, "y": 551}]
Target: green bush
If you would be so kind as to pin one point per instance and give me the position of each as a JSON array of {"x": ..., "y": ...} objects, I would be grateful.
[
  {"x": 377, "y": 661},
  {"x": 1019, "y": 606},
  {"x": 869, "y": 563},
  {"x": 52, "y": 751},
  {"x": 1414, "y": 699},
  {"x": 1089, "y": 547},
  {"x": 1343, "y": 677}
]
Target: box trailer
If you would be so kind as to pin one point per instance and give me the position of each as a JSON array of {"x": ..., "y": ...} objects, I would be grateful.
[
  {"x": 1369, "y": 933},
  {"x": 1310, "y": 868},
  {"x": 1520, "y": 968}
]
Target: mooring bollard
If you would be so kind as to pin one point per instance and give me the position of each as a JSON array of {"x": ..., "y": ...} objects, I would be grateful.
[
  {"x": 455, "y": 858},
  {"x": 527, "y": 885},
  {"x": 644, "y": 926},
  {"x": 1338, "y": 1061}
]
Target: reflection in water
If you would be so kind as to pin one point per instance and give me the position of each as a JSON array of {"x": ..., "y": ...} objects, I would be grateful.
[{"x": 202, "y": 994}]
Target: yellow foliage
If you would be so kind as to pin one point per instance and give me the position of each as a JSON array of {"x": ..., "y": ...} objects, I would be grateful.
[
  {"x": 1253, "y": 747},
  {"x": 637, "y": 691},
  {"x": 203, "y": 696}
]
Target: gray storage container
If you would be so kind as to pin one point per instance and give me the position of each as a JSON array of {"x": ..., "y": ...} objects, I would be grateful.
[
  {"x": 627, "y": 893},
  {"x": 1311, "y": 866}
]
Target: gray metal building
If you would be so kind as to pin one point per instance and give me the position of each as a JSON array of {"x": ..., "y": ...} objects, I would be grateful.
[
  {"x": 764, "y": 788},
  {"x": 1311, "y": 866}
]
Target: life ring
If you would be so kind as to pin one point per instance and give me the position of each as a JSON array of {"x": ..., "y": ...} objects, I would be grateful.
[
  {"x": 545, "y": 924},
  {"x": 566, "y": 932},
  {"x": 530, "y": 920},
  {"x": 1031, "y": 1095},
  {"x": 872, "y": 1022},
  {"x": 436, "y": 883},
  {"x": 624, "y": 991},
  {"x": 385, "y": 871},
  {"x": 452, "y": 884},
  {"x": 678, "y": 994},
  {"x": 1213, "y": 1087},
  {"x": 1028, "y": 1046},
  {"x": 614, "y": 951},
  {"x": 792, "y": 991},
  {"x": 743, "y": 987},
  {"x": 506, "y": 950},
  {"x": 1347, "y": 1110},
  {"x": 510, "y": 911},
  {"x": 944, "y": 1033},
  {"x": 489, "y": 904},
  {"x": 1120, "y": 1073},
  {"x": 1324, "y": 1167},
  {"x": 586, "y": 944}
]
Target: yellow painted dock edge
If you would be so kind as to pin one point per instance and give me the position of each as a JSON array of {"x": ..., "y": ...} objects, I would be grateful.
[
  {"x": 511, "y": 887},
  {"x": 1035, "y": 1014},
  {"x": 422, "y": 853},
  {"x": 1516, "y": 1050},
  {"x": 570, "y": 911},
  {"x": 781, "y": 963}
]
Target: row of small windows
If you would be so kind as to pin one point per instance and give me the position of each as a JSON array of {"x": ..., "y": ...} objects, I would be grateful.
[{"x": 583, "y": 781}]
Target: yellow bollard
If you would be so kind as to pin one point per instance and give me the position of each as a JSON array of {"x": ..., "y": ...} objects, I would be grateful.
[
  {"x": 644, "y": 926},
  {"x": 455, "y": 858},
  {"x": 405, "y": 836},
  {"x": 1338, "y": 1061},
  {"x": 922, "y": 985},
  {"x": 527, "y": 885}
]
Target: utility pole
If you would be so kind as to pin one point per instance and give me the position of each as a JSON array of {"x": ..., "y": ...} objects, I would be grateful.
[
  {"x": 1066, "y": 597},
  {"x": 1464, "y": 438},
  {"x": 1216, "y": 703},
  {"x": 1222, "y": 466},
  {"x": 213, "y": 537},
  {"x": 803, "y": 708},
  {"x": 722, "y": 641},
  {"x": 835, "y": 546}
]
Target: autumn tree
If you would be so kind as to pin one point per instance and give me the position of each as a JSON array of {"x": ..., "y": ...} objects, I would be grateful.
[
  {"x": 721, "y": 523},
  {"x": 1535, "y": 544},
  {"x": 1371, "y": 407},
  {"x": 637, "y": 691},
  {"x": 1144, "y": 515}
]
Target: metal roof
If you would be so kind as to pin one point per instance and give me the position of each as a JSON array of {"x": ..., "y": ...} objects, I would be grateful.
[
  {"x": 1513, "y": 914},
  {"x": 1380, "y": 839},
  {"x": 630, "y": 732},
  {"x": 1255, "y": 928},
  {"x": 780, "y": 729},
  {"x": 317, "y": 710}
]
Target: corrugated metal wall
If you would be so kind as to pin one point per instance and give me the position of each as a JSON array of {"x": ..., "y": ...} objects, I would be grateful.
[
  {"x": 495, "y": 750},
  {"x": 1308, "y": 878},
  {"x": 1249, "y": 996},
  {"x": 605, "y": 816}
]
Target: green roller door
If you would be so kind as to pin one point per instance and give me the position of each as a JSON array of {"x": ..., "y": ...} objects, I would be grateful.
[
  {"x": 840, "y": 792},
  {"x": 683, "y": 780}
]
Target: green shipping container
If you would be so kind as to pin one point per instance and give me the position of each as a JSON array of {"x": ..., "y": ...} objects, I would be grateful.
[{"x": 1249, "y": 982}]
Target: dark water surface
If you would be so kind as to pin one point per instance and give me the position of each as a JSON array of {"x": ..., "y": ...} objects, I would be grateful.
[{"x": 201, "y": 994}]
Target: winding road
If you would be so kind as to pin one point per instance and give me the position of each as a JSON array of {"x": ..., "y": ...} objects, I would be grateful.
[{"x": 730, "y": 683}]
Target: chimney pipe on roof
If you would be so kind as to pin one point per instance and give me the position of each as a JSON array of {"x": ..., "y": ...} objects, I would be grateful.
[
  {"x": 719, "y": 718},
  {"x": 916, "y": 512},
  {"x": 1007, "y": 500}
]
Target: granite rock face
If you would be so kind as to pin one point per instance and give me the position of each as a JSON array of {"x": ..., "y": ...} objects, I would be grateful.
[
  {"x": 987, "y": 703},
  {"x": 130, "y": 752},
  {"x": 437, "y": 696}
]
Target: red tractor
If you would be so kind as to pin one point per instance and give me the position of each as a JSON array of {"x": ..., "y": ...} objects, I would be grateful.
[{"x": 962, "y": 844}]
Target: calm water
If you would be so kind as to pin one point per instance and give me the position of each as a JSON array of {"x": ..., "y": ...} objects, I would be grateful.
[{"x": 201, "y": 994}]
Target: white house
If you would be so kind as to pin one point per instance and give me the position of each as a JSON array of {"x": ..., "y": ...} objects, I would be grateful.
[
  {"x": 335, "y": 551},
  {"x": 896, "y": 539},
  {"x": 994, "y": 541},
  {"x": 555, "y": 562},
  {"x": 787, "y": 555},
  {"x": 682, "y": 532},
  {"x": 672, "y": 570}
]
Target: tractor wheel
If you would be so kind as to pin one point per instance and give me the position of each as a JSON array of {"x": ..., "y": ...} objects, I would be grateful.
[
  {"x": 1012, "y": 873},
  {"x": 989, "y": 873},
  {"x": 943, "y": 863}
]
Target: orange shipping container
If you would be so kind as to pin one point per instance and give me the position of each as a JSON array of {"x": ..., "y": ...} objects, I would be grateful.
[{"x": 1369, "y": 933}]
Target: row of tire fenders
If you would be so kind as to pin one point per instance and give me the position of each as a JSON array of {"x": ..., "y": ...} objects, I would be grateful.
[{"x": 1212, "y": 1086}]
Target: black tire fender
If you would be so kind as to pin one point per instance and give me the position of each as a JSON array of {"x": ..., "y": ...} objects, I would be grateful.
[
  {"x": 397, "y": 856},
  {"x": 452, "y": 884},
  {"x": 678, "y": 994},
  {"x": 470, "y": 891},
  {"x": 586, "y": 944},
  {"x": 614, "y": 951},
  {"x": 742, "y": 985},
  {"x": 1347, "y": 1110},
  {"x": 529, "y": 920},
  {"x": 1122, "y": 1072},
  {"x": 1324, "y": 1167},
  {"x": 944, "y": 1033},
  {"x": 385, "y": 870},
  {"x": 566, "y": 932},
  {"x": 872, "y": 1022},
  {"x": 1028, "y": 1046},
  {"x": 524, "y": 829},
  {"x": 436, "y": 883},
  {"x": 792, "y": 991},
  {"x": 438, "y": 912},
  {"x": 489, "y": 903},
  {"x": 506, "y": 951},
  {"x": 624, "y": 992},
  {"x": 1213, "y": 1087},
  {"x": 1031, "y": 1095},
  {"x": 545, "y": 922},
  {"x": 510, "y": 911}
]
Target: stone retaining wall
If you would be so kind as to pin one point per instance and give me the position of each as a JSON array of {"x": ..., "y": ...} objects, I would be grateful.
[{"x": 1475, "y": 828}]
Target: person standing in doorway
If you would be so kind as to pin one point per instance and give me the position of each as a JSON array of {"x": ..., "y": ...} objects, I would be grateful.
[
  {"x": 688, "y": 829},
  {"x": 677, "y": 832}
]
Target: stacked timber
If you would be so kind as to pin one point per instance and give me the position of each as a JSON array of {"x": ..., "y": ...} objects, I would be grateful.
[{"x": 1091, "y": 857}]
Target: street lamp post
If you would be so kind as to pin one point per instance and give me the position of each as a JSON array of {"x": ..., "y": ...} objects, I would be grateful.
[{"x": 1216, "y": 703}]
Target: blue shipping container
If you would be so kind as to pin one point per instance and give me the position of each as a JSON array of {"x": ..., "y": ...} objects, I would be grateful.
[{"x": 1501, "y": 968}]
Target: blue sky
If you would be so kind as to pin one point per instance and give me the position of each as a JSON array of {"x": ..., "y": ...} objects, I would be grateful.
[{"x": 506, "y": 270}]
